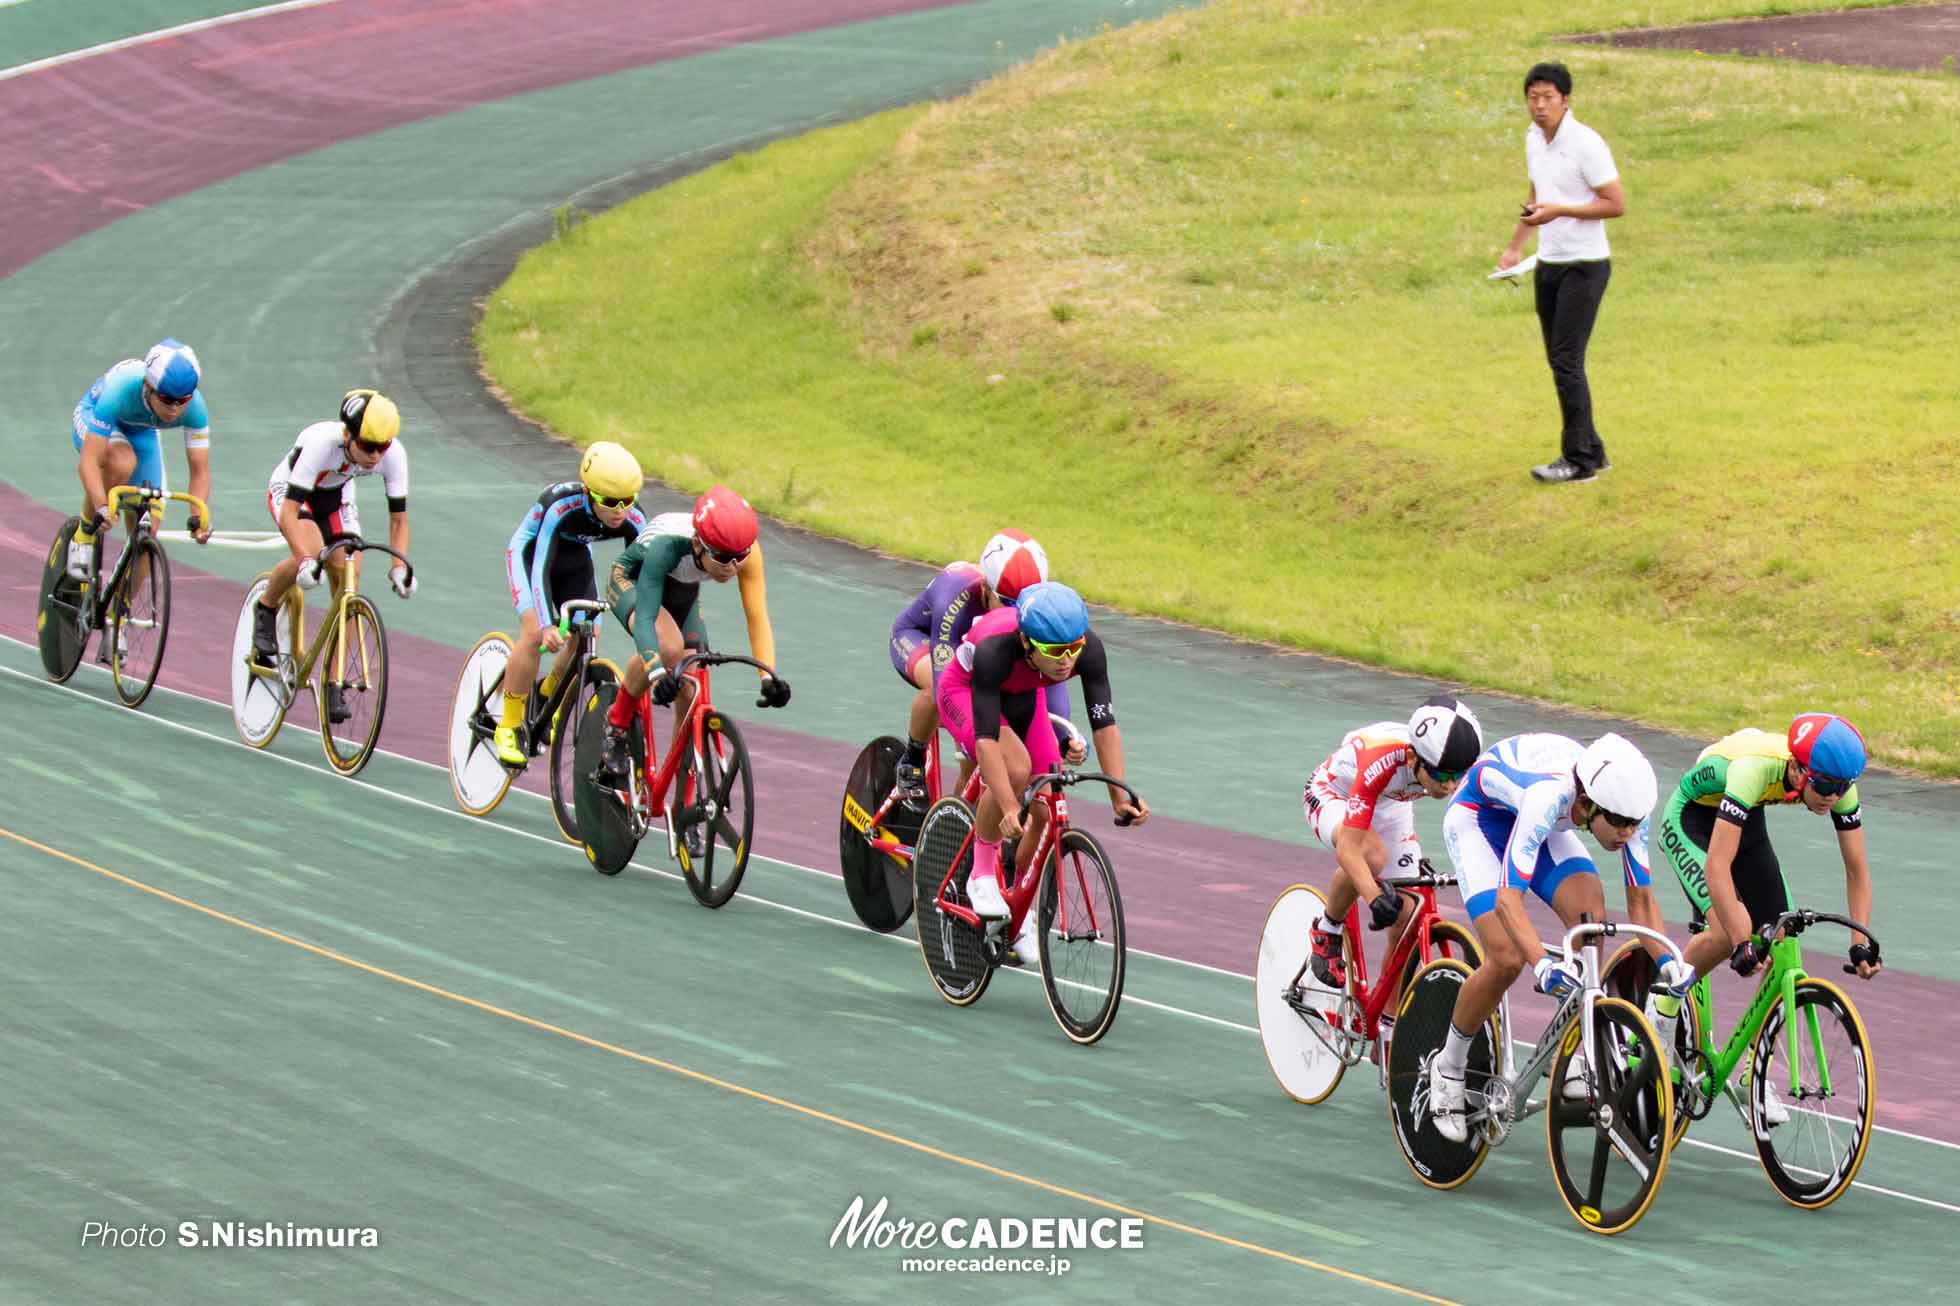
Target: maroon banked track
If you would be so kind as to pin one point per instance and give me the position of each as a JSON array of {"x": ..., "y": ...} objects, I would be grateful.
[
  {"x": 220, "y": 102},
  {"x": 228, "y": 99}
]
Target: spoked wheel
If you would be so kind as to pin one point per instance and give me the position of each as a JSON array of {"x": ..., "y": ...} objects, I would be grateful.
[
  {"x": 712, "y": 811},
  {"x": 1421, "y": 1028},
  {"x": 564, "y": 745},
  {"x": 1299, "y": 1017},
  {"x": 1082, "y": 945},
  {"x": 1610, "y": 1147},
  {"x": 954, "y": 952},
  {"x": 139, "y": 622},
  {"x": 352, "y": 686},
  {"x": 477, "y": 777},
  {"x": 879, "y": 885},
  {"x": 61, "y": 627},
  {"x": 606, "y": 824},
  {"x": 260, "y": 696},
  {"x": 1628, "y": 976},
  {"x": 1812, "y": 1137}
]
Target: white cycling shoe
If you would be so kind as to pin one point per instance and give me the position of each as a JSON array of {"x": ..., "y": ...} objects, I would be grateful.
[
  {"x": 1027, "y": 943},
  {"x": 983, "y": 891},
  {"x": 1447, "y": 1105}
]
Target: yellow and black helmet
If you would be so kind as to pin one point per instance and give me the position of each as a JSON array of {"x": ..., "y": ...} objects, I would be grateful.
[{"x": 370, "y": 417}]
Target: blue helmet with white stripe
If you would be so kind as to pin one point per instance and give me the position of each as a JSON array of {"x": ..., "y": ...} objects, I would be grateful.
[
  {"x": 1052, "y": 613},
  {"x": 171, "y": 369}
]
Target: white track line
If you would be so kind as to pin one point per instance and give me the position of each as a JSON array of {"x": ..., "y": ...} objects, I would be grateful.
[{"x": 127, "y": 42}]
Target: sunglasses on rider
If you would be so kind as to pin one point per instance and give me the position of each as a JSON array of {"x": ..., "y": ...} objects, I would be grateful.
[
  {"x": 1617, "y": 822},
  {"x": 175, "y": 401},
  {"x": 723, "y": 556},
  {"x": 1442, "y": 777},
  {"x": 1060, "y": 652},
  {"x": 1828, "y": 786},
  {"x": 601, "y": 501}
]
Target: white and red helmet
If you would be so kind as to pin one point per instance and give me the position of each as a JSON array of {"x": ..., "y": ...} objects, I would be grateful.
[{"x": 1011, "y": 562}]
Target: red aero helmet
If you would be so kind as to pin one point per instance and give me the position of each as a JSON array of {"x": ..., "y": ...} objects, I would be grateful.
[
  {"x": 724, "y": 521},
  {"x": 1011, "y": 562}
]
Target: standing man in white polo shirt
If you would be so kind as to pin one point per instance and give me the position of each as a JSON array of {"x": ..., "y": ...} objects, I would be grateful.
[{"x": 1574, "y": 189}]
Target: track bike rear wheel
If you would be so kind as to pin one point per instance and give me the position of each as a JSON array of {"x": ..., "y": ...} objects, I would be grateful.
[
  {"x": 354, "y": 662},
  {"x": 878, "y": 884},
  {"x": 1629, "y": 975},
  {"x": 1421, "y": 1027},
  {"x": 139, "y": 621},
  {"x": 1814, "y": 1154},
  {"x": 1300, "y": 1046},
  {"x": 477, "y": 776},
  {"x": 1083, "y": 953},
  {"x": 61, "y": 625},
  {"x": 260, "y": 699},
  {"x": 605, "y": 826},
  {"x": 711, "y": 811},
  {"x": 563, "y": 731},
  {"x": 954, "y": 953},
  {"x": 1609, "y": 1149}
]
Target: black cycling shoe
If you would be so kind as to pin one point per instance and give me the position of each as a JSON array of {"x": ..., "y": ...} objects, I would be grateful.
[
  {"x": 337, "y": 709},
  {"x": 265, "y": 635},
  {"x": 911, "y": 782},
  {"x": 614, "y": 758}
]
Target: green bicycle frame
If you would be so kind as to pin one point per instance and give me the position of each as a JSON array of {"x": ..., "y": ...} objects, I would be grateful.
[{"x": 1779, "y": 984}]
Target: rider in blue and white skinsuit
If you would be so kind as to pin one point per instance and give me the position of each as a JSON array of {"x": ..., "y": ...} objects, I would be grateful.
[
  {"x": 1512, "y": 829},
  {"x": 115, "y": 432}
]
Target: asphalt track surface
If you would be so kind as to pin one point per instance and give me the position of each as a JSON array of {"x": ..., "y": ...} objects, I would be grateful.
[{"x": 237, "y": 99}]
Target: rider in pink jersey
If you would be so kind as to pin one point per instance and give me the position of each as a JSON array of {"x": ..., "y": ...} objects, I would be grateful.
[{"x": 997, "y": 680}]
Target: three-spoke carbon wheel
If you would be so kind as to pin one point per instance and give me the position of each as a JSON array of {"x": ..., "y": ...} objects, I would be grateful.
[
  {"x": 1611, "y": 1139},
  {"x": 712, "y": 809}
]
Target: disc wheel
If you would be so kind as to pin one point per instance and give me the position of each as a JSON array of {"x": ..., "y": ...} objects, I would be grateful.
[
  {"x": 878, "y": 884},
  {"x": 1298, "y": 1015},
  {"x": 477, "y": 776},
  {"x": 1628, "y": 976},
  {"x": 61, "y": 624},
  {"x": 139, "y": 622},
  {"x": 1421, "y": 1028},
  {"x": 1812, "y": 1139},
  {"x": 605, "y": 825},
  {"x": 712, "y": 810},
  {"x": 953, "y": 949},
  {"x": 260, "y": 697},
  {"x": 564, "y": 744},
  {"x": 353, "y": 669}
]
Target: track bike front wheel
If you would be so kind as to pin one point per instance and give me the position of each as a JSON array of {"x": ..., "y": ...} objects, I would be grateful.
[
  {"x": 711, "y": 811},
  {"x": 261, "y": 696},
  {"x": 1610, "y": 1147},
  {"x": 351, "y": 680},
  {"x": 563, "y": 731},
  {"x": 1630, "y": 975},
  {"x": 1811, "y": 1138},
  {"x": 1083, "y": 951},
  {"x": 1299, "y": 1017},
  {"x": 139, "y": 621}
]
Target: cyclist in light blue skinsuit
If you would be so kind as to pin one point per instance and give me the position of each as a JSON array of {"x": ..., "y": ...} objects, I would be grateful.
[{"x": 115, "y": 432}]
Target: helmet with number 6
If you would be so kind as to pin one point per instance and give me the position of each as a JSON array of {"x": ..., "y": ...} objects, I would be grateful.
[
  {"x": 610, "y": 471},
  {"x": 1827, "y": 745},
  {"x": 1618, "y": 778},
  {"x": 1011, "y": 562},
  {"x": 1052, "y": 613},
  {"x": 171, "y": 369},
  {"x": 1446, "y": 735}
]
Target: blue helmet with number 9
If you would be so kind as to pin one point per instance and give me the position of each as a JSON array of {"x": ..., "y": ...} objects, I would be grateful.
[{"x": 1052, "y": 613}]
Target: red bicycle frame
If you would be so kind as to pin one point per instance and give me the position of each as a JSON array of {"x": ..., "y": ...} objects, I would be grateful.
[
  {"x": 880, "y": 837},
  {"x": 1372, "y": 999}
]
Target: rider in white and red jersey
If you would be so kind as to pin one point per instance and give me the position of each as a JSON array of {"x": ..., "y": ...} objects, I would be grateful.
[{"x": 1358, "y": 804}]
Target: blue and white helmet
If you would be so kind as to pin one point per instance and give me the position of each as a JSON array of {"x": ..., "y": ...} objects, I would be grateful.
[
  {"x": 171, "y": 369},
  {"x": 1052, "y": 613}
]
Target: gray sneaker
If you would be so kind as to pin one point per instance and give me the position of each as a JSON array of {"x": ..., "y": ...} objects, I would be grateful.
[{"x": 1562, "y": 472}]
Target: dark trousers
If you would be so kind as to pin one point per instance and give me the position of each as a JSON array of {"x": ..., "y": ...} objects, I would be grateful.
[{"x": 1568, "y": 304}]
